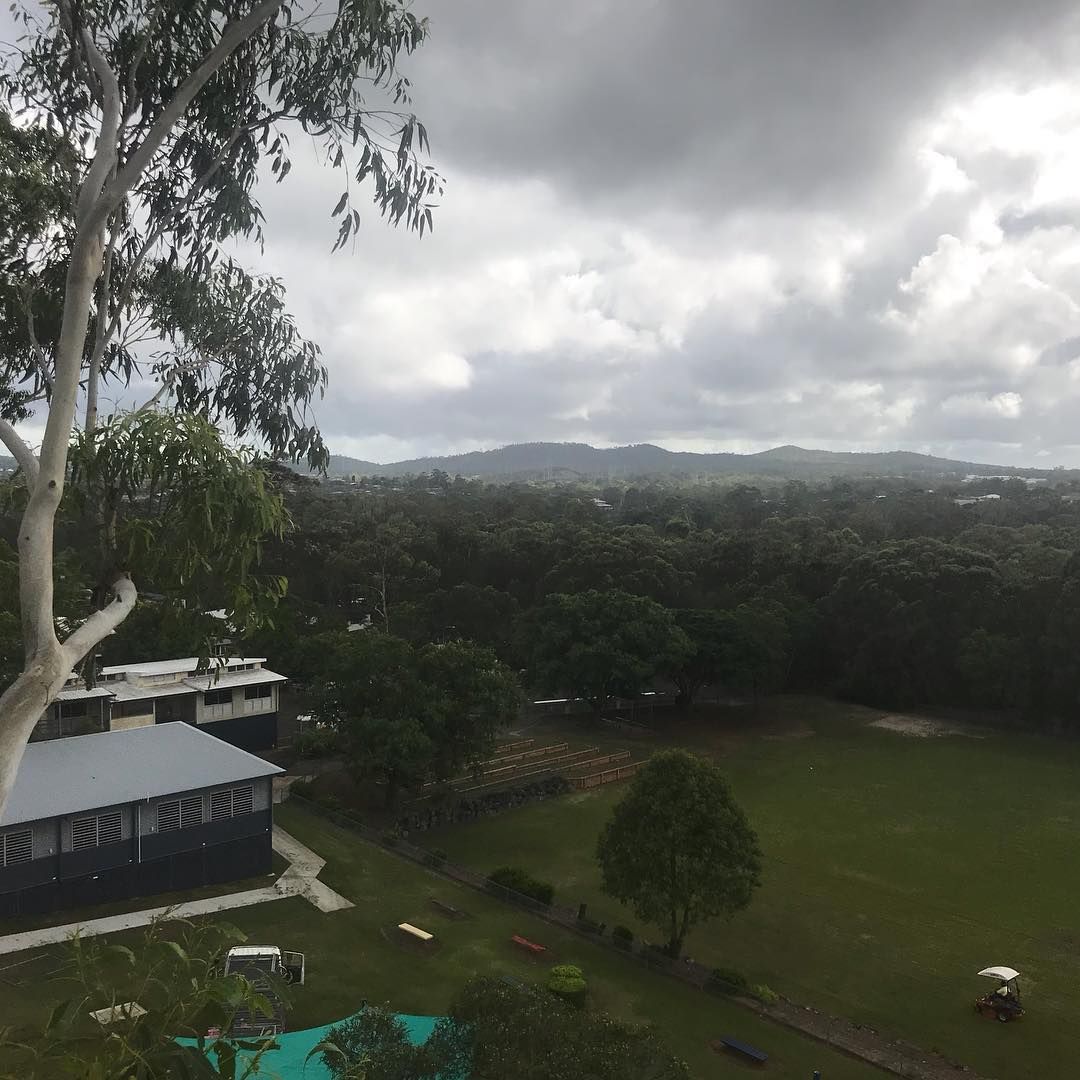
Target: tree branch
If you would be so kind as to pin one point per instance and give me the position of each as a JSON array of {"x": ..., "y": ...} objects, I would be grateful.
[
  {"x": 234, "y": 35},
  {"x": 101, "y": 623},
  {"x": 158, "y": 231},
  {"x": 35, "y": 345},
  {"x": 20, "y": 452},
  {"x": 104, "y": 163},
  {"x": 93, "y": 375}
]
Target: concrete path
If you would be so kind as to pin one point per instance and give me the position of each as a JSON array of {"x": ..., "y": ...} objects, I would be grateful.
[{"x": 299, "y": 879}]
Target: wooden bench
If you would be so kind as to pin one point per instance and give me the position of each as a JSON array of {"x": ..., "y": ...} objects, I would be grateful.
[
  {"x": 415, "y": 933},
  {"x": 530, "y": 946},
  {"x": 728, "y": 1042}
]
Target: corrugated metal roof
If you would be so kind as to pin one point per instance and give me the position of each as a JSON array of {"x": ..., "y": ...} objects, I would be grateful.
[
  {"x": 78, "y": 693},
  {"x": 223, "y": 680},
  {"x": 84, "y": 772},
  {"x": 177, "y": 667},
  {"x": 125, "y": 691}
]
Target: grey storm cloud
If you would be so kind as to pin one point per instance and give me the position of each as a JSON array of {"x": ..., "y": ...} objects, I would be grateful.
[
  {"x": 706, "y": 103},
  {"x": 751, "y": 152},
  {"x": 715, "y": 224}
]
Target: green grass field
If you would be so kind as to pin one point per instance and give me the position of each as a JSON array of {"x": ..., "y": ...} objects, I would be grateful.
[
  {"x": 349, "y": 960},
  {"x": 896, "y": 868}
]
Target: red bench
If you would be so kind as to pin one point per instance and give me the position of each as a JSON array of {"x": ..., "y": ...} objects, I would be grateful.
[{"x": 525, "y": 943}]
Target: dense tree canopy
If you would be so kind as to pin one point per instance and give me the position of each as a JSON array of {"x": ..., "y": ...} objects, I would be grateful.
[
  {"x": 407, "y": 715},
  {"x": 494, "y": 1031},
  {"x": 846, "y": 596},
  {"x": 595, "y": 645}
]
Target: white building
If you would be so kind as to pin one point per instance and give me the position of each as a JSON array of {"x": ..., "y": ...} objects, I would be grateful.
[{"x": 235, "y": 698}]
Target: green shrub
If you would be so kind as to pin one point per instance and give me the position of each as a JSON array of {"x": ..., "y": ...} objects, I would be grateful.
[
  {"x": 765, "y": 994},
  {"x": 320, "y": 742},
  {"x": 727, "y": 981},
  {"x": 519, "y": 881},
  {"x": 390, "y": 839},
  {"x": 329, "y": 800},
  {"x": 304, "y": 788},
  {"x": 623, "y": 936},
  {"x": 567, "y": 981}
]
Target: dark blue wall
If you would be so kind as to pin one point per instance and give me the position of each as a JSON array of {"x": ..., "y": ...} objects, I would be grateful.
[
  {"x": 247, "y": 732},
  {"x": 217, "y": 851}
]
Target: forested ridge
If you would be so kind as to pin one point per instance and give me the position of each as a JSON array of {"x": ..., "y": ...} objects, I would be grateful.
[{"x": 879, "y": 591}]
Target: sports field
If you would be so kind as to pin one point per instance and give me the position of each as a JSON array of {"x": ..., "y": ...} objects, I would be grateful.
[{"x": 896, "y": 868}]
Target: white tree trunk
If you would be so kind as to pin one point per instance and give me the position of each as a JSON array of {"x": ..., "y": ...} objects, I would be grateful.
[{"x": 48, "y": 661}]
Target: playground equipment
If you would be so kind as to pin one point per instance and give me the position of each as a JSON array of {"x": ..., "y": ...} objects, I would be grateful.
[
  {"x": 1004, "y": 1002},
  {"x": 265, "y": 967}
]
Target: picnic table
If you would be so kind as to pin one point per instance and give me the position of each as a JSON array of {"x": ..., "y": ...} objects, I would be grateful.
[{"x": 529, "y": 946}]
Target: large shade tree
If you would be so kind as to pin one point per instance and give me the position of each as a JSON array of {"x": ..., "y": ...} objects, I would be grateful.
[
  {"x": 407, "y": 715},
  {"x": 151, "y": 121},
  {"x": 678, "y": 848}
]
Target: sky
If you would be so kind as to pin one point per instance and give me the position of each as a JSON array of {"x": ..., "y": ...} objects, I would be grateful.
[{"x": 715, "y": 224}]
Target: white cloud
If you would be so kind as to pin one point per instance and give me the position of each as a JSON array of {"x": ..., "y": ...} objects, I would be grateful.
[
  {"x": 900, "y": 268},
  {"x": 1007, "y": 404}
]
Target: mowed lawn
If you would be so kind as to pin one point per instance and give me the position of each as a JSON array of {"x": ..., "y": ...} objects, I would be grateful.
[
  {"x": 895, "y": 868},
  {"x": 353, "y": 956}
]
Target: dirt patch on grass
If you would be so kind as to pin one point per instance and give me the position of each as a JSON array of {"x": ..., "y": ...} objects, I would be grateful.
[
  {"x": 791, "y": 733},
  {"x": 922, "y": 727}
]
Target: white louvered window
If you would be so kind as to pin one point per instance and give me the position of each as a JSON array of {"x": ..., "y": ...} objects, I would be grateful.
[
  {"x": 16, "y": 847},
  {"x": 230, "y": 803},
  {"x": 191, "y": 811},
  {"x": 168, "y": 816},
  {"x": 89, "y": 832},
  {"x": 180, "y": 813},
  {"x": 109, "y": 828}
]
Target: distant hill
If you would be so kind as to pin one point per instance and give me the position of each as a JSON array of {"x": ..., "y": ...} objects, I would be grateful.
[{"x": 567, "y": 461}]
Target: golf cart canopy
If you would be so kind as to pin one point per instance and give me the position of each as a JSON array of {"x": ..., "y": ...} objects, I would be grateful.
[{"x": 1006, "y": 974}]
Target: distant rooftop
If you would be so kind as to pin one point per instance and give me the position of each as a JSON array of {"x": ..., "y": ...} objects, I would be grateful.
[
  {"x": 84, "y": 772},
  {"x": 222, "y": 680},
  {"x": 177, "y": 667},
  {"x": 79, "y": 693}
]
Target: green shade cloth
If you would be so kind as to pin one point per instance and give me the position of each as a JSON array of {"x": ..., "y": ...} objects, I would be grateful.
[{"x": 288, "y": 1062}]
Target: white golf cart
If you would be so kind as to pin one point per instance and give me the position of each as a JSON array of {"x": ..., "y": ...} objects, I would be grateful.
[{"x": 1004, "y": 1002}]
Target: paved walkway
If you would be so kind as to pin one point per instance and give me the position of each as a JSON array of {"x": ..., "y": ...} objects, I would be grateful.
[
  {"x": 302, "y": 876},
  {"x": 299, "y": 879}
]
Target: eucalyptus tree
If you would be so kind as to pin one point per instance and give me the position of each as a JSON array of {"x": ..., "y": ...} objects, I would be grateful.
[{"x": 158, "y": 117}]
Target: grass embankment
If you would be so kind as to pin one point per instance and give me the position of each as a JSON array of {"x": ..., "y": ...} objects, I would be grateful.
[{"x": 895, "y": 868}]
